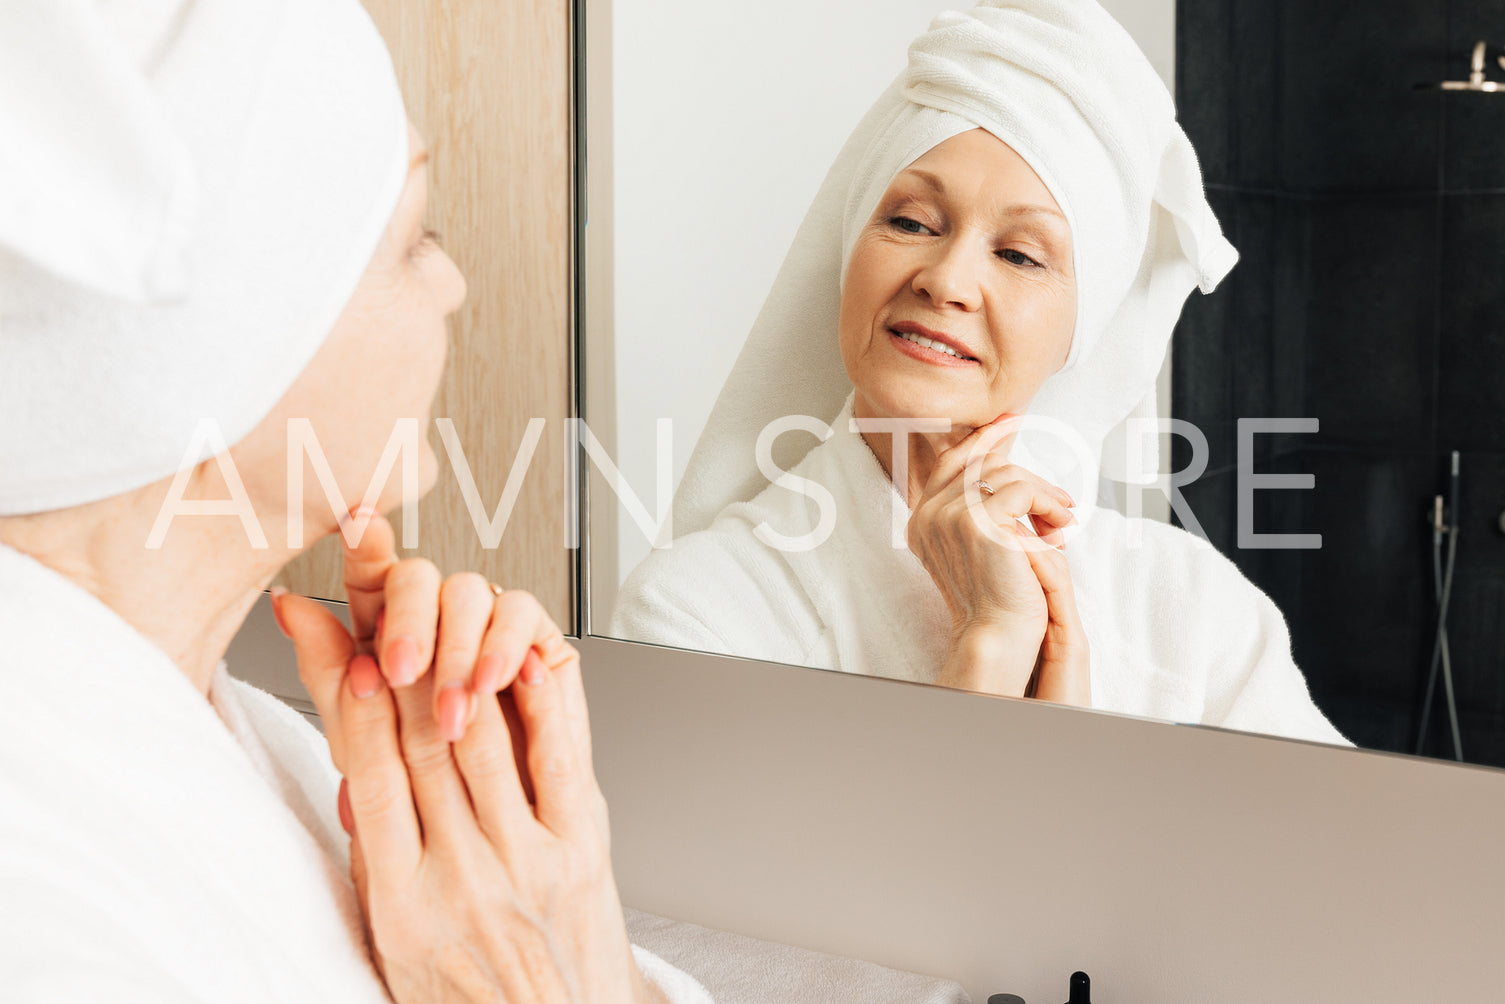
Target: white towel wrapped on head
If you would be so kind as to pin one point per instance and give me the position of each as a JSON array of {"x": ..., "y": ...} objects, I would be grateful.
[{"x": 189, "y": 192}]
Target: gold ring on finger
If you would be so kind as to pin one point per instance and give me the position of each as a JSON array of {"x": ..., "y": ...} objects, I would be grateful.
[{"x": 984, "y": 487}]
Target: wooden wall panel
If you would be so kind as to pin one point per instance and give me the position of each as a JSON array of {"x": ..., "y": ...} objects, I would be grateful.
[{"x": 488, "y": 85}]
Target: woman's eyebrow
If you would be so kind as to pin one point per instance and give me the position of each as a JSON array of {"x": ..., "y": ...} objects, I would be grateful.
[
  {"x": 933, "y": 180},
  {"x": 1031, "y": 209}
]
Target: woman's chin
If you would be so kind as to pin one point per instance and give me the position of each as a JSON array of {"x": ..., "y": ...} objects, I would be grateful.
[
  {"x": 906, "y": 397},
  {"x": 394, "y": 497}
]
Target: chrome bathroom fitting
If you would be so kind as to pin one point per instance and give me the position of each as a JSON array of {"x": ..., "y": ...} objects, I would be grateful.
[
  {"x": 1444, "y": 520},
  {"x": 1476, "y": 80}
]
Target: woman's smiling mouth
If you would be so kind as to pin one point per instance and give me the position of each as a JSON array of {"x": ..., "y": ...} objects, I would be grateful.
[{"x": 921, "y": 343}]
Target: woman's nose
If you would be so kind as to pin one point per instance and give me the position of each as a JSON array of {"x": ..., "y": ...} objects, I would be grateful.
[{"x": 950, "y": 278}]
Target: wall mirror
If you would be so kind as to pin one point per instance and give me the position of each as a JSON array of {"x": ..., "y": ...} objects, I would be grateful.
[{"x": 1365, "y": 200}]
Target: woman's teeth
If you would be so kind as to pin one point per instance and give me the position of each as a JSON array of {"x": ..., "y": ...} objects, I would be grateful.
[{"x": 930, "y": 343}]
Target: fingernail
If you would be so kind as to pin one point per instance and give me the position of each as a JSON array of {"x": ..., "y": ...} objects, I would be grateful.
[
  {"x": 277, "y": 592},
  {"x": 454, "y": 708},
  {"x": 402, "y": 661},
  {"x": 533, "y": 672},
  {"x": 347, "y": 818},
  {"x": 1065, "y": 497},
  {"x": 488, "y": 675},
  {"x": 364, "y": 676}
]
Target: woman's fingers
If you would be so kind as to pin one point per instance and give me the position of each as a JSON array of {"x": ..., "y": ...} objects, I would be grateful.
[
  {"x": 1011, "y": 491},
  {"x": 993, "y": 439},
  {"x": 323, "y": 649},
  {"x": 488, "y": 756},
  {"x": 438, "y": 791},
  {"x": 411, "y": 618},
  {"x": 1052, "y": 535},
  {"x": 554, "y": 762},
  {"x": 360, "y": 879},
  {"x": 342, "y": 804},
  {"x": 1051, "y": 568},
  {"x": 570, "y": 682},
  {"x": 1022, "y": 499},
  {"x": 998, "y": 475},
  {"x": 378, "y": 795},
  {"x": 518, "y": 623},
  {"x": 366, "y": 566},
  {"x": 1065, "y": 675},
  {"x": 465, "y": 608}
]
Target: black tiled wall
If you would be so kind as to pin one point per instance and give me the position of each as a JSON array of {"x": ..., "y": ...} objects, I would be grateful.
[{"x": 1370, "y": 217}]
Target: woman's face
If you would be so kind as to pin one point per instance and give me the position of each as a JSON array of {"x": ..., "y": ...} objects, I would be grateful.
[
  {"x": 381, "y": 362},
  {"x": 960, "y": 296}
]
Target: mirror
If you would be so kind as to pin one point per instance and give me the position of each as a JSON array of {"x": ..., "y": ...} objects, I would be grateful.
[{"x": 1318, "y": 393}]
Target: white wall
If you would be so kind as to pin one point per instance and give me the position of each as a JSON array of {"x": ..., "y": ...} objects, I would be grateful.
[{"x": 718, "y": 149}]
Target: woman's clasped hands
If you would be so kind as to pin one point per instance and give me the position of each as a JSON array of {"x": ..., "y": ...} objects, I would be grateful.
[
  {"x": 480, "y": 849},
  {"x": 1015, "y": 626}
]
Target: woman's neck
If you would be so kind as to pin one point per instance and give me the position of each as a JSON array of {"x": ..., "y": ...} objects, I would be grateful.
[
  {"x": 189, "y": 597},
  {"x": 919, "y": 448}
]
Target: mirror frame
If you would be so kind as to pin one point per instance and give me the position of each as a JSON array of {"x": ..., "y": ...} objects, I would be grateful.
[{"x": 592, "y": 384}]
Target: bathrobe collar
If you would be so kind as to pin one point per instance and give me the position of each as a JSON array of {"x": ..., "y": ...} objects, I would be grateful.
[{"x": 879, "y": 575}]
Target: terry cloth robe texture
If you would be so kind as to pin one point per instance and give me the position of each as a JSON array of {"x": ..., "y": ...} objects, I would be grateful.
[
  {"x": 157, "y": 847},
  {"x": 1176, "y": 630}
]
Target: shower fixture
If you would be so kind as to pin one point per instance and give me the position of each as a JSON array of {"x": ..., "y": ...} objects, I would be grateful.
[
  {"x": 1476, "y": 80},
  {"x": 1444, "y": 520}
]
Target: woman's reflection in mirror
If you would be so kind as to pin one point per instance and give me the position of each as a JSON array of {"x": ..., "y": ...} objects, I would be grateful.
[{"x": 1000, "y": 250}]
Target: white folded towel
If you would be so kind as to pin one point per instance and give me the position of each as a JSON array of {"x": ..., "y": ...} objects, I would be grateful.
[{"x": 741, "y": 970}]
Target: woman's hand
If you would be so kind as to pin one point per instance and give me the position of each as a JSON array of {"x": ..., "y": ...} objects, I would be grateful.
[
  {"x": 483, "y": 867},
  {"x": 1015, "y": 627},
  {"x": 410, "y": 618},
  {"x": 470, "y": 892}
]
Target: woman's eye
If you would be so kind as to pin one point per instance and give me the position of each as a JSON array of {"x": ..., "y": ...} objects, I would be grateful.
[
  {"x": 907, "y": 225},
  {"x": 1017, "y": 257}
]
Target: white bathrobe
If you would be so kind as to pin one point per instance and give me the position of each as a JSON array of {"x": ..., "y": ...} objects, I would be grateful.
[
  {"x": 1176, "y": 630},
  {"x": 156, "y": 847}
]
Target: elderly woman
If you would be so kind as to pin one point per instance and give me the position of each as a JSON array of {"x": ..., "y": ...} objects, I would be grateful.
[
  {"x": 210, "y": 228},
  {"x": 971, "y": 318}
]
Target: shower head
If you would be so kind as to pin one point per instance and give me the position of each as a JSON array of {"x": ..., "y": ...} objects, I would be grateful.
[{"x": 1476, "y": 80}]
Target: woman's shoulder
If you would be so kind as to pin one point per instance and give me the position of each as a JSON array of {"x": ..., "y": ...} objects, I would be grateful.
[
  {"x": 1148, "y": 550},
  {"x": 1172, "y": 589},
  {"x": 720, "y": 589},
  {"x": 731, "y": 587}
]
